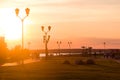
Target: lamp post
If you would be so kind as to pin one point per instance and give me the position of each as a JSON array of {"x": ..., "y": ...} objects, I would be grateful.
[
  {"x": 27, "y": 10},
  {"x": 46, "y": 38},
  {"x": 104, "y": 43},
  {"x": 69, "y": 44},
  {"x": 59, "y": 43}
]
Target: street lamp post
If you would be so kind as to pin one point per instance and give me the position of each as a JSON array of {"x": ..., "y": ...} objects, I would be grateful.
[
  {"x": 104, "y": 43},
  {"x": 59, "y": 43},
  {"x": 27, "y": 10},
  {"x": 69, "y": 44},
  {"x": 46, "y": 38}
]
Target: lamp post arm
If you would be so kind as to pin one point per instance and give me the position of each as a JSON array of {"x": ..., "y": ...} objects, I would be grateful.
[
  {"x": 47, "y": 31},
  {"x": 22, "y": 19}
]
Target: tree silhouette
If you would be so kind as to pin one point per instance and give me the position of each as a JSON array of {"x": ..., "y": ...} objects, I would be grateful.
[
  {"x": 16, "y": 53},
  {"x": 3, "y": 51}
]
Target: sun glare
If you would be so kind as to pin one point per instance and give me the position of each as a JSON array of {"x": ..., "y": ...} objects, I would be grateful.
[{"x": 11, "y": 25}]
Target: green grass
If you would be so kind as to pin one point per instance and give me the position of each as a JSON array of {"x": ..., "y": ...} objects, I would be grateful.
[{"x": 54, "y": 69}]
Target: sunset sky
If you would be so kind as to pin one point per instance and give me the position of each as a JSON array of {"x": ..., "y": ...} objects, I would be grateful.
[{"x": 82, "y": 22}]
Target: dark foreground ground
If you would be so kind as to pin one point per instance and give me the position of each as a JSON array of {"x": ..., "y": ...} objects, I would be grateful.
[{"x": 54, "y": 69}]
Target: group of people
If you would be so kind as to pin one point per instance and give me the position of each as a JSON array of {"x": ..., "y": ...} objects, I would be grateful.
[
  {"x": 109, "y": 55},
  {"x": 105, "y": 55}
]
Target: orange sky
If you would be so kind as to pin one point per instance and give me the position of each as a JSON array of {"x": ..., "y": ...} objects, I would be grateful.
[{"x": 83, "y": 22}]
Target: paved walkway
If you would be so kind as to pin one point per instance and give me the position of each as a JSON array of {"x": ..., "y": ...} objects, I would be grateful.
[
  {"x": 118, "y": 61},
  {"x": 25, "y": 62}
]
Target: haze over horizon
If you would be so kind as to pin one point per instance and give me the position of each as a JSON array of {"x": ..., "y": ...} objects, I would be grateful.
[{"x": 83, "y": 22}]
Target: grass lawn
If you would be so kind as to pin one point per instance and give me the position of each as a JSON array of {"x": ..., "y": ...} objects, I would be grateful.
[{"x": 54, "y": 69}]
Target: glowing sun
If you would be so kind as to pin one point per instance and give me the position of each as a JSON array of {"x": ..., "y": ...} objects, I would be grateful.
[{"x": 11, "y": 24}]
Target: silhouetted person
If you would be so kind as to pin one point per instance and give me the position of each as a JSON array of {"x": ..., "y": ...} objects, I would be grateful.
[
  {"x": 95, "y": 54},
  {"x": 112, "y": 55},
  {"x": 106, "y": 55}
]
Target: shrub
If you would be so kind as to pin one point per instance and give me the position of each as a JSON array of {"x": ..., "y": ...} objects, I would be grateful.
[
  {"x": 66, "y": 62},
  {"x": 79, "y": 62},
  {"x": 90, "y": 61}
]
